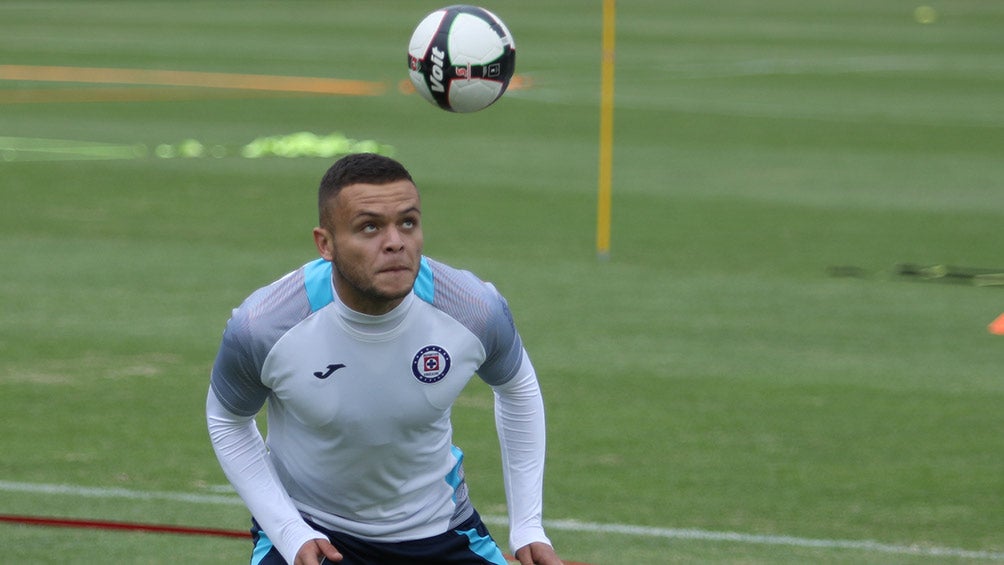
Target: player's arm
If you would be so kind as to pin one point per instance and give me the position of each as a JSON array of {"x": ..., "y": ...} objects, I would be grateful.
[
  {"x": 242, "y": 454},
  {"x": 519, "y": 420},
  {"x": 236, "y": 395}
]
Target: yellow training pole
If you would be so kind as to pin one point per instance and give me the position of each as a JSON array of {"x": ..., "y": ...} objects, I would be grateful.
[{"x": 606, "y": 132}]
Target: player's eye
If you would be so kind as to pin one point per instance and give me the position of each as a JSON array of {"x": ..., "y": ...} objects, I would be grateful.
[{"x": 369, "y": 228}]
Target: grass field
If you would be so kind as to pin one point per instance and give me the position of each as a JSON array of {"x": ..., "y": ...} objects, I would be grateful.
[{"x": 715, "y": 394}]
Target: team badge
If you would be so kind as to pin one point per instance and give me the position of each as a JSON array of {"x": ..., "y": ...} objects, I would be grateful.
[{"x": 431, "y": 364}]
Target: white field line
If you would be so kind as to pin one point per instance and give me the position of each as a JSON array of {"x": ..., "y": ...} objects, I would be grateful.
[
  {"x": 559, "y": 525},
  {"x": 100, "y": 492}
]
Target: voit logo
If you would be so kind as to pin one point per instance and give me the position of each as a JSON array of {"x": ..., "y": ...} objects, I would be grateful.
[{"x": 431, "y": 364}]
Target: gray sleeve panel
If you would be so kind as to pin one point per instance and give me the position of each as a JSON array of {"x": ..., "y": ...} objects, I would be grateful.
[
  {"x": 482, "y": 310},
  {"x": 254, "y": 327}
]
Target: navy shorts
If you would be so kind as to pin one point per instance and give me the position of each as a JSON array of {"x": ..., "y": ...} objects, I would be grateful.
[{"x": 469, "y": 544}]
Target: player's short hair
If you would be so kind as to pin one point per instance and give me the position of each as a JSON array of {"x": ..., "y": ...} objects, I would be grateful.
[{"x": 357, "y": 168}]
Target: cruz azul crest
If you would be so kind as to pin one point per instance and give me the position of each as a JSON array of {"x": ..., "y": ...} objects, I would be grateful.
[{"x": 431, "y": 364}]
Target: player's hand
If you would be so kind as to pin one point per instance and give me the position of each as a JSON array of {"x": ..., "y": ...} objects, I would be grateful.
[
  {"x": 315, "y": 551},
  {"x": 537, "y": 553}
]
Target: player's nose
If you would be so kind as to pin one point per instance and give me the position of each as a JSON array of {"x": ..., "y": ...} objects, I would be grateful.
[{"x": 393, "y": 241}]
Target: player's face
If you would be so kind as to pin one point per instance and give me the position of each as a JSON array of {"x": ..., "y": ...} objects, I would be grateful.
[{"x": 374, "y": 241}]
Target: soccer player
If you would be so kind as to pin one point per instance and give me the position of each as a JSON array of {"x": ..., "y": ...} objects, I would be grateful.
[{"x": 359, "y": 356}]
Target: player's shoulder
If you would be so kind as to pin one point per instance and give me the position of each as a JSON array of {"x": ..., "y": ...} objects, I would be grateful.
[
  {"x": 480, "y": 308},
  {"x": 462, "y": 295},
  {"x": 279, "y": 304},
  {"x": 439, "y": 284}
]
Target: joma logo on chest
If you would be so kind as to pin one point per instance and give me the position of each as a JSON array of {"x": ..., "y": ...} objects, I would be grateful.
[{"x": 329, "y": 370}]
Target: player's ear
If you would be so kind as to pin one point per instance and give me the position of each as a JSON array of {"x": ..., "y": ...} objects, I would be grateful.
[{"x": 325, "y": 243}]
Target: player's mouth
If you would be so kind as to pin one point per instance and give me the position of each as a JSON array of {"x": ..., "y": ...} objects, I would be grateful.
[{"x": 396, "y": 269}]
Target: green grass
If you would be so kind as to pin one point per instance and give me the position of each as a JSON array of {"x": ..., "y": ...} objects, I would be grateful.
[{"x": 712, "y": 375}]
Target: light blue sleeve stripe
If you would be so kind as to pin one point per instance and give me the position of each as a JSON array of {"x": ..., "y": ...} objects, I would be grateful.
[
  {"x": 424, "y": 284},
  {"x": 317, "y": 280}
]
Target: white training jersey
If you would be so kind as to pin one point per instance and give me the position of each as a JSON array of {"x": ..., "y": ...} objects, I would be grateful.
[{"x": 359, "y": 432}]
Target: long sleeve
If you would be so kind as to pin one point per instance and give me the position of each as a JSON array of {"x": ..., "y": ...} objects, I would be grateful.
[
  {"x": 519, "y": 420},
  {"x": 244, "y": 459}
]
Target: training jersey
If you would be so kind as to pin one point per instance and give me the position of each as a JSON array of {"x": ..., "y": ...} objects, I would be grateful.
[{"x": 359, "y": 431}]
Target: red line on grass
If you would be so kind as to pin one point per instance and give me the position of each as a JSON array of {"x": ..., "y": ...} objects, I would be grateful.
[{"x": 129, "y": 526}]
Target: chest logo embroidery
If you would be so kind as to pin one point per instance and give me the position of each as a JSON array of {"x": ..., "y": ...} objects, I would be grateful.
[
  {"x": 329, "y": 370},
  {"x": 431, "y": 364}
]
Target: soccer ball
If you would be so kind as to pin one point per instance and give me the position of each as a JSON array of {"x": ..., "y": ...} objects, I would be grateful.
[{"x": 461, "y": 58}]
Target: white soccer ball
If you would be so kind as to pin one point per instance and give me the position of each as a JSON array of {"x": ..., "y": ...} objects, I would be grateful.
[{"x": 461, "y": 58}]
